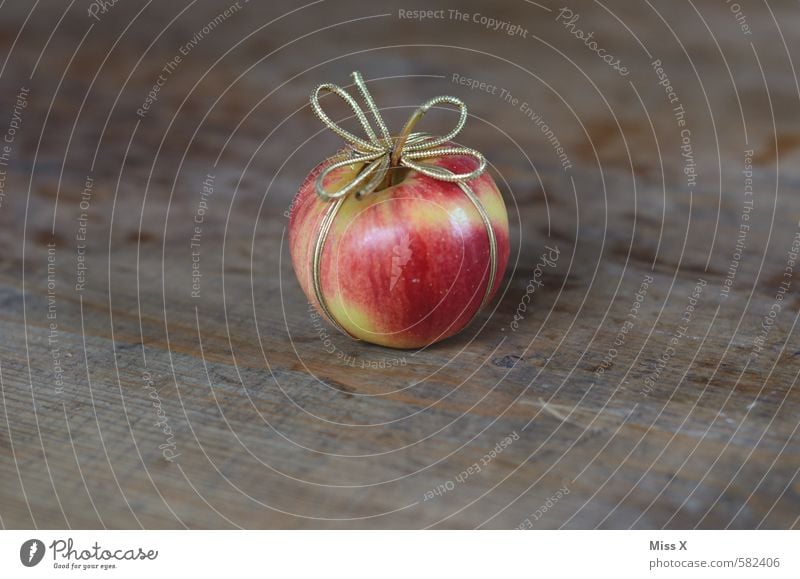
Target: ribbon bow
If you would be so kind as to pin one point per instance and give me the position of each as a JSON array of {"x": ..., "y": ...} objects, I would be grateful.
[{"x": 381, "y": 154}]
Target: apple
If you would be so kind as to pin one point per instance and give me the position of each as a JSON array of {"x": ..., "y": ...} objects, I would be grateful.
[{"x": 406, "y": 265}]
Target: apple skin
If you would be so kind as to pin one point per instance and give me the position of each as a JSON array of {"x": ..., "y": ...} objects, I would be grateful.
[{"x": 406, "y": 266}]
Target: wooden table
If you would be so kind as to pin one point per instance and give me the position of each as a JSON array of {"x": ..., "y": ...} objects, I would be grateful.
[{"x": 651, "y": 384}]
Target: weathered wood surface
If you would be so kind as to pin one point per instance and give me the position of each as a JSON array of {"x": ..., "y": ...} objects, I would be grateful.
[{"x": 275, "y": 426}]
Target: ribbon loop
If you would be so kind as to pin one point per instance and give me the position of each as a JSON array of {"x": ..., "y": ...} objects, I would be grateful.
[
  {"x": 371, "y": 168},
  {"x": 462, "y": 120},
  {"x": 409, "y": 160},
  {"x": 346, "y": 135},
  {"x": 362, "y": 87}
]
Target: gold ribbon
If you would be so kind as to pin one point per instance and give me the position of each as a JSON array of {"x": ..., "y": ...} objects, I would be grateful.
[{"x": 379, "y": 156}]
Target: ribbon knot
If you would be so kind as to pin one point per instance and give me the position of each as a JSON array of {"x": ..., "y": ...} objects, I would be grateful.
[{"x": 381, "y": 154}]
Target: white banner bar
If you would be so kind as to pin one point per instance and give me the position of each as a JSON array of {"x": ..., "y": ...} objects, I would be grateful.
[{"x": 401, "y": 554}]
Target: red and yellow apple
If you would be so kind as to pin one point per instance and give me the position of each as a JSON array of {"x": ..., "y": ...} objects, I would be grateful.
[{"x": 406, "y": 265}]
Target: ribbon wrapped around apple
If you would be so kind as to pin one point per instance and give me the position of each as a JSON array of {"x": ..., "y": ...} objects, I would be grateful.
[{"x": 398, "y": 241}]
